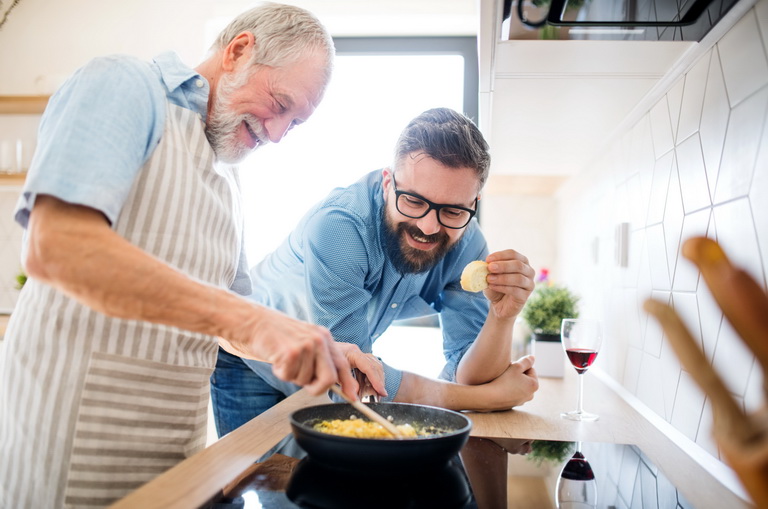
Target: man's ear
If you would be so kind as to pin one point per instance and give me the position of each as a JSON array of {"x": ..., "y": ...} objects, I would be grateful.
[
  {"x": 238, "y": 52},
  {"x": 386, "y": 180}
]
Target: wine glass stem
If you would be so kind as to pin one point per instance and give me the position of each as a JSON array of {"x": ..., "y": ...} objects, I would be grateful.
[{"x": 581, "y": 392}]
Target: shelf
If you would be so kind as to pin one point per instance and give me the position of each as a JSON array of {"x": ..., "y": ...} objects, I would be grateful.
[
  {"x": 16, "y": 179},
  {"x": 23, "y": 104}
]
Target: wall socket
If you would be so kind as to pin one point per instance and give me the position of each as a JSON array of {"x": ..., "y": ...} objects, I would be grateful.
[{"x": 622, "y": 244}]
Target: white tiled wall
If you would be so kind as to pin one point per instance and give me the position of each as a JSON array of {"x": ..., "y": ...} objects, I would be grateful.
[{"x": 696, "y": 163}]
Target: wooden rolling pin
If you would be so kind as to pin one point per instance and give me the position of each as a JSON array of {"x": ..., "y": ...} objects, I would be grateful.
[
  {"x": 743, "y": 301},
  {"x": 728, "y": 417}
]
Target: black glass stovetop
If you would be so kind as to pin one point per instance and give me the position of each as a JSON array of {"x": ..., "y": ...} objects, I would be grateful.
[{"x": 486, "y": 474}]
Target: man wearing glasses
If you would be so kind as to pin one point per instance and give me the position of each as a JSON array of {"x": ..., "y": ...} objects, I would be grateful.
[{"x": 392, "y": 246}]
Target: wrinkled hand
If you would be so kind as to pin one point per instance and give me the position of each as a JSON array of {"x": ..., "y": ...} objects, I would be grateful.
[
  {"x": 510, "y": 282},
  {"x": 300, "y": 352},
  {"x": 514, "y": 387},
  {"x": 368, "y": 370}
]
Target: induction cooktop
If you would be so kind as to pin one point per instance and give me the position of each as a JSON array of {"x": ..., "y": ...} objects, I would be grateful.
[{"x": 486, "y": 474}]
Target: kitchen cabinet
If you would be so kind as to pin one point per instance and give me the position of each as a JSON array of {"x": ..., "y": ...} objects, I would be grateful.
[{"x": 547, "y": 107}]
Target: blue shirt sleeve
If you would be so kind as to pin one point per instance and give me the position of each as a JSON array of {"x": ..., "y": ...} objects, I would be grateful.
[{"x": 95, "y": 135}]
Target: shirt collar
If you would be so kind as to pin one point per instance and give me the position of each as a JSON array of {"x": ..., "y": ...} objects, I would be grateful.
[
  {"x": 185, "y": 86},
  {"x": 173, "y": 71}
]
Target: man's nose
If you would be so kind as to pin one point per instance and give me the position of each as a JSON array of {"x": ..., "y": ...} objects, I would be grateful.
[
  {"x": 429, "y": 224},
  {"x": 277, "y": 128}
]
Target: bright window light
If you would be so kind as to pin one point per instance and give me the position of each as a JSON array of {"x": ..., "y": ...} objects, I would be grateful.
[{"x": 369, "y": 101}]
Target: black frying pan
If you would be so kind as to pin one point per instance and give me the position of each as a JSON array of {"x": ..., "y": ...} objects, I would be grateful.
[{"x": 382, "y": 454}]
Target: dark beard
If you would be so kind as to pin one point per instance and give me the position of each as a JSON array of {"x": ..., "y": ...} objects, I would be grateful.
[{"x": 406, "y": 259}]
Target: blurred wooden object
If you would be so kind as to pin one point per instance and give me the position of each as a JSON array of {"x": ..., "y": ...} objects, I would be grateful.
[{"x": 742, "y": 438}]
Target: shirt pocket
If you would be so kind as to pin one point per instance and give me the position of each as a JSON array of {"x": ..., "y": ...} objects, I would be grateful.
[
  {"x": 136, "y": 419},
  {"x": 415, "y": 307}
]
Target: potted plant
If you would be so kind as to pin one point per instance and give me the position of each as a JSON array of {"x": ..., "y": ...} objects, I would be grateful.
[
  {"x": 554, "y": 451},
  {"x": 543, "y": 313},
  {"x": 546, "y": 308}
]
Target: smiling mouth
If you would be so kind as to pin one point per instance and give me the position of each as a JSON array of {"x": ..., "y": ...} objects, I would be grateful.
[
  {"x": 252, "y": 134},
  {"x": 421, "y": 242}
]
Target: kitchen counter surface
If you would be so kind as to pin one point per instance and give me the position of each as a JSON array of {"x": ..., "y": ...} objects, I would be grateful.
[{"x": 702, "y": 480}]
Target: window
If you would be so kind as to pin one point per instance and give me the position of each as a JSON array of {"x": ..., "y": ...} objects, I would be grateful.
[{"x": 379, "y": 84}]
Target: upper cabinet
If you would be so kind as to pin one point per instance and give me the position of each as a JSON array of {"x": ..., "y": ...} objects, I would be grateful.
[{"x": 547, "y": 107}]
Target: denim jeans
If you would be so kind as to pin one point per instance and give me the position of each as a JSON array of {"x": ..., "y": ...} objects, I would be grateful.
[{"x": 238, "y": 394}]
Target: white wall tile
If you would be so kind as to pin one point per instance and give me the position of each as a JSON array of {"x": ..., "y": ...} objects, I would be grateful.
[
  {"x": 745, "y": 128},
  {"x": 758, "y": 198},
  {"x": 730, "y": 352},
  {"x": 693, "y": 98},
  {"x": 653, "y": 332},
  {"x": 670, "y": 377},
  {"x": 649, "y": 385},
  {"x": 659, "y": 188},
  {"x": 650, "y": 499},
  {"x": 693, "y": 175},
  {"x": 714, "y": 120},
  {"x": 761, "y": 13},
  {"x": 675, "y": 99},
  {"x": 716, "y": 138},
  {"x": 628, "y": 474},
  {"x": 735, "y": 230},
  {"x": 661, "y": 128},
  {"x": 686, "y": 276},
  {"x": 689, "y": 404},
  {"x": 745, "y": 67},
  {"x": 657, "y": 258},
  {"x": 754, "y": 397},
  {"x": 704, "y": 437},
  {"x": 673, "y": 220},
  {"x": 711, "y": 317}
]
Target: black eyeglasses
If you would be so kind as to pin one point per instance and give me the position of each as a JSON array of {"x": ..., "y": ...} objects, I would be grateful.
[{"x": 414, "y": 206}]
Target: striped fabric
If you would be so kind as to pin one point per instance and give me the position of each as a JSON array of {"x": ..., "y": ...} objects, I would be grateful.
[{"x": 93, "y": 407}]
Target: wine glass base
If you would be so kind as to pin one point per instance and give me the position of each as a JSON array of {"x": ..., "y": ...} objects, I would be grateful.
[{"x": 579, "y": 416}]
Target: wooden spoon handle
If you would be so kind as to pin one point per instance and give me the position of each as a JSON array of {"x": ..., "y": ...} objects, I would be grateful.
[
  {"x": 368, "y": 412},
  {"x": 743, "y": 301},
  {"x": 729, "y": 418}
]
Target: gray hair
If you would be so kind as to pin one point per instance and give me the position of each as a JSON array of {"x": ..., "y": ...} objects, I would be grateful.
[
  {"x": 283, "y": 34},
  {"x": 448, "y": 137}
]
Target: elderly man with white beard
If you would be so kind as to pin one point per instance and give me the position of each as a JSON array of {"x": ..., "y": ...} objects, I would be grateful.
[{"x": 136, "y": 268}]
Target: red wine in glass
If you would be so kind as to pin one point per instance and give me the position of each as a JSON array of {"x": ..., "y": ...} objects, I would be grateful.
[
  {"x": 576, "y": 486},
  {"x": 581, "y": 341},
  {"x": 581, "y": 358}
]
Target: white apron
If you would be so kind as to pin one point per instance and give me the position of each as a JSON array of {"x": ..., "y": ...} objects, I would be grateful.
[{"x": 93, "y": 407}]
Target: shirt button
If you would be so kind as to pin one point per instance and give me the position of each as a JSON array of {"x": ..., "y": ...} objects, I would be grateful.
[
  {"x": 199, "y": 83},
  {"x": 394, "y": 305},
  {"x": 375, "y": 336}
]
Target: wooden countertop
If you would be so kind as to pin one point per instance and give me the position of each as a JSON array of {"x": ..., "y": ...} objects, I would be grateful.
[{"x": 199, "y": 478}]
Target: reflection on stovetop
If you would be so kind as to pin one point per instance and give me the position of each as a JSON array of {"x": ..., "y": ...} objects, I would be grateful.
[{"x": 487, "y": 474}]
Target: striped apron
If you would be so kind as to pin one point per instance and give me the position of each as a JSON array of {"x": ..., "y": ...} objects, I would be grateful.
[{"x": 93, "y": 407}]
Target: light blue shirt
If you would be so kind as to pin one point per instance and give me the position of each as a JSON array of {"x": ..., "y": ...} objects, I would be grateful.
[
  {"x": 332, "y": 270},
  {"x": 101, "y": 127}
]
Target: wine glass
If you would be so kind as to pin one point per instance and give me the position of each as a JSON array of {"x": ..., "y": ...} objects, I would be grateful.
[
  {"x": 576, "y": 486},
  {"x": 581, "y": 341}
]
